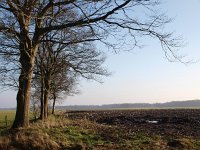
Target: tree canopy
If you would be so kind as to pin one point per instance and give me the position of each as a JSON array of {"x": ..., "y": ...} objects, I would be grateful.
[{"x": 25, "y": 23}]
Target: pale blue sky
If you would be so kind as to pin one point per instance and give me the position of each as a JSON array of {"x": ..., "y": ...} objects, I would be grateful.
[{"x": 144, "y": 75}]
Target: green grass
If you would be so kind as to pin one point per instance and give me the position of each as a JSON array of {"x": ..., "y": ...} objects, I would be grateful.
[
  {"x": 74, "y": 134},
  {"x": 6, "y": 118},
  {"x": 9, "y": 116},
  {"x": 153, "y": 142}
]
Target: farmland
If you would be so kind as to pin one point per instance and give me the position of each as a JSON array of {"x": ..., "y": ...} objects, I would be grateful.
[
  {"x": 6, "y": 118},
  {"x": 112, "y": 129}
]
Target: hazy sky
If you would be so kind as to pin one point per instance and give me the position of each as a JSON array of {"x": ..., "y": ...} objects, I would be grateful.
[{"x": 144, "y": 75}]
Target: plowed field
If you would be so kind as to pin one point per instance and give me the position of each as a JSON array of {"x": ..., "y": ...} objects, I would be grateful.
[{"x": 167, "y": 122}]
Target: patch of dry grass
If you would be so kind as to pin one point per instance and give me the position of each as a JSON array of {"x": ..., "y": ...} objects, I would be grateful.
[{"x": 22, "y": 139}]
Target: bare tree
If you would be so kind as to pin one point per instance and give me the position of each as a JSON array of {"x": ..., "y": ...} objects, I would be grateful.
[
  {"x": 59, "y": 64},
  {"x": 24, "y": 21},
  {"x": 62, "y": 85}
]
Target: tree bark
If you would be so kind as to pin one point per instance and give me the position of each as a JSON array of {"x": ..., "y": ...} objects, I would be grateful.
[
  {"x": 24, "y": 92},
  {"x": 28, "y": 48}
]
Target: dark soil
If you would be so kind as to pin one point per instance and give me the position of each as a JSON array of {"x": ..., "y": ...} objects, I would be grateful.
[{"x": 166, "y": 122}]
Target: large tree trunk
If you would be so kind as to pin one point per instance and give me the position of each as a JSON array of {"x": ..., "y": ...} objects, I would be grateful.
[
  {"x": 28, "y": 49},
  {"x": 24, "y": 92}
]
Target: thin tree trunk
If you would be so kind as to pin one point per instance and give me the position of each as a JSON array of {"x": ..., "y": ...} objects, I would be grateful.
[
  {"x": 46, "y": 96},
  {"x": 34, "y": 111},
  {"x": 42, "y": 99},
  {"x": 54, "y": 102}
]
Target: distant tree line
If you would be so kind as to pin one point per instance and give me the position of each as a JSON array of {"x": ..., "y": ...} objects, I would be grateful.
[
  {"x": 47, "y": 45},
  {"x": 172, "y": 104}
]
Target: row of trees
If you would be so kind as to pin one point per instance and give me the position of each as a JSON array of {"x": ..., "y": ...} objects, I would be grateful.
[
  {"x": 49, "y": 44},
  {"x": 58, "y": 67}
]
